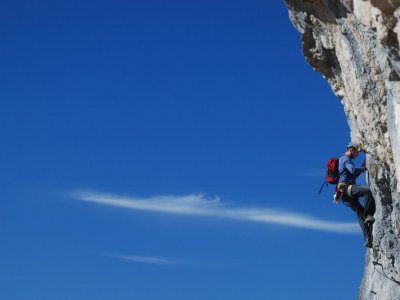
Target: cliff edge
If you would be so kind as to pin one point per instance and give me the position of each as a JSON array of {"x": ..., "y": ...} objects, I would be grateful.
[{"x": 355, "y": 45}]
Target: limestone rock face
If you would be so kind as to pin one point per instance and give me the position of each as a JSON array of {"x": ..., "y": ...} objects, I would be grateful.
[{"x": 354, "y": 44}]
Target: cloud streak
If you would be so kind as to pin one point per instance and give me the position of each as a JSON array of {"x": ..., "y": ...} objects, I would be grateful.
[
  {"x": 142, "y": 259},
  {"x": 314, "y": 173},
  {"x": 198, "y": 205}
]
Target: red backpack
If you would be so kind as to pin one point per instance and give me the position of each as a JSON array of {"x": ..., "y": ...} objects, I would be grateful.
[{"x": 332, "y": 172}]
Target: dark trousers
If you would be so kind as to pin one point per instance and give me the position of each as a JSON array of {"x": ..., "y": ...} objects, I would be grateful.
[{"x": 351, "y": 199}]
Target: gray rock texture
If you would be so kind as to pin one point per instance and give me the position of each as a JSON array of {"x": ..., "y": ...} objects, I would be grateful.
[{"x": 354, "y": 44}]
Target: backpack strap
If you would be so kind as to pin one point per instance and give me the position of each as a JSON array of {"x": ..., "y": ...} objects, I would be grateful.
[{"x": 322, "y": 186}]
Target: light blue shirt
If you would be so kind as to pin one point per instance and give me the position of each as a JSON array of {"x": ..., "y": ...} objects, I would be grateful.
[{"x": 347, "y": 170}]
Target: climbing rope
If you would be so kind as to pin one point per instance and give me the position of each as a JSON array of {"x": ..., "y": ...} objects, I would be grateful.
[{"x": 375, "y": 263}]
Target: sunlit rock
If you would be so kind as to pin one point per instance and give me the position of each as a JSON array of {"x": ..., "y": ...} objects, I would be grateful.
[{"x": 355, "y": 46}]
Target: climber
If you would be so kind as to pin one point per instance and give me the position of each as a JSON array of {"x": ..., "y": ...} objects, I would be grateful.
[{"x": 352, "y": 192}]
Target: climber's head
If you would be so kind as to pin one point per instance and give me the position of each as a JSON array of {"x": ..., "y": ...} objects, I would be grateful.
[{"x": 352, "y": 150}]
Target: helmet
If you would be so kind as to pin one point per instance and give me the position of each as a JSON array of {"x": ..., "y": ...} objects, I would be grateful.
[{"x": 353, "y": 146}]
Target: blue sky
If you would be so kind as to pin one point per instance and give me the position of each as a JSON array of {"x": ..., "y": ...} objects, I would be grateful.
[{"x": 167, "y": 150}]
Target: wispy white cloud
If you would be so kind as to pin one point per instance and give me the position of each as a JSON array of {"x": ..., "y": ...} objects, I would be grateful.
[
  {"x": 314, "y": 173},
  {"x": 199, "y": 205},
  {"x": 142, "y": 259},
  {"x": 162, "y": 261}
]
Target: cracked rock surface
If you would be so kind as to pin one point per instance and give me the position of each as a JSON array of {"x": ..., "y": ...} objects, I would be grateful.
[{"x": 354, "y": 44}]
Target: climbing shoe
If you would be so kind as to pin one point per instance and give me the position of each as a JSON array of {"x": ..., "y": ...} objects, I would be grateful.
[{"x": 369, "y": 219}]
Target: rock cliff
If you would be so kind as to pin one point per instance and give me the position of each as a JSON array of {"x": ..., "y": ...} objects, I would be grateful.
[{"x": 354, "y": 44}]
